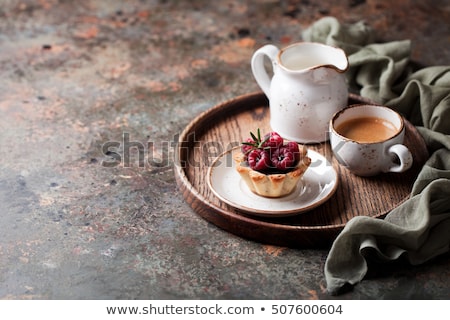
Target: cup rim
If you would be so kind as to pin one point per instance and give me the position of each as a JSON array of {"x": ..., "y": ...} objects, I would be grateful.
[{"x": 360, "y": 105}]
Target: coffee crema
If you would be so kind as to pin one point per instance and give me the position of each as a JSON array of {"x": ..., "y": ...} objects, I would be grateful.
[{"x": 367, "y": 129}]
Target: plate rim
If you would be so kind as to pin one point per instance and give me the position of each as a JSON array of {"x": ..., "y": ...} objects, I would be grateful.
[{"x": 267, "y": 213}]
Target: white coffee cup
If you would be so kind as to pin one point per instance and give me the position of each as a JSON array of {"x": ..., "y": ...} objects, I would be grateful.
[{"x": 368, "y": 140}]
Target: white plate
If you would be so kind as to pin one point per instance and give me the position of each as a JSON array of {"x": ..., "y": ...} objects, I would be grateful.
[{"x": 316, "y": 186}]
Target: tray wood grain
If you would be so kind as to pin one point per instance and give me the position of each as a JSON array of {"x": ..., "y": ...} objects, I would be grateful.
[{"x": 227, "y": 124}]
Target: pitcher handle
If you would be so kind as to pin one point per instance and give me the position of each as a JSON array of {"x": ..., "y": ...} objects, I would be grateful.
[{"x": 258, "y": 69}]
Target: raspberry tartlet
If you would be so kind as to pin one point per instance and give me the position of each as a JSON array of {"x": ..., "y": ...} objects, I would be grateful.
[{"x": 270, "y": 166}]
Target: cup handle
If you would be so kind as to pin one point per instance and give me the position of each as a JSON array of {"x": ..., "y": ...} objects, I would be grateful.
[
  {"x": 258, "y": 69},
  {"x": 404, "y": 155}
]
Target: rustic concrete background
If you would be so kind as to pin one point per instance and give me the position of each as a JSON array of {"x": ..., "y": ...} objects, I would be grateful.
[{"x": 75, "y": 75}]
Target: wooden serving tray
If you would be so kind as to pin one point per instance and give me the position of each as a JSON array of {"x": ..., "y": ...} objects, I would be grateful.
[{"x": 226, "y": 125}]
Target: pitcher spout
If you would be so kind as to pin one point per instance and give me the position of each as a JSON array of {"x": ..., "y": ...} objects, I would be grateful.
[{"x": 340, "y": 63}]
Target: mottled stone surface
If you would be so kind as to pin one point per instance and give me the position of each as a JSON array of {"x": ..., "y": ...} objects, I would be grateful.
[{"x": 76, "y": 76}]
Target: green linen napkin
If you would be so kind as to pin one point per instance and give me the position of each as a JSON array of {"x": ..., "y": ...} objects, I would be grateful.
[{"x": 419, "y": 229}]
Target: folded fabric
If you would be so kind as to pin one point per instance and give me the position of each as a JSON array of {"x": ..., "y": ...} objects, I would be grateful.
[{"x": 419, "y": 229}]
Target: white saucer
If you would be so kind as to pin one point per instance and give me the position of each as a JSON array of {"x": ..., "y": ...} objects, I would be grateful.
[{"x": 316, "y": 186}]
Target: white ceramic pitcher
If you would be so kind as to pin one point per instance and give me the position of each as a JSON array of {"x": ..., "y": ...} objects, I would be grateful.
[{"x": 307, "y": 87}]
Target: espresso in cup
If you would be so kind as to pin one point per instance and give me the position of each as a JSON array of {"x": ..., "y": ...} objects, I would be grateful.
[
  {"x": 367, "y": 129},
  {"x": 368, "y": 140}
]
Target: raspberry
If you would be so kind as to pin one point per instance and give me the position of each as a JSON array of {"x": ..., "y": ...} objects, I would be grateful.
[
  {"x": 259, "y": 159},
  {"x": 293, "y": 147},
  {"x": 272, "y": 140},
  {"x": 248, "y": 146},
  {"x": 283, "y": 158}
]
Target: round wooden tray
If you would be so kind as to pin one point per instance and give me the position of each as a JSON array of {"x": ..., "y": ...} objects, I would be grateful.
[{"x": 226, "y": 125}]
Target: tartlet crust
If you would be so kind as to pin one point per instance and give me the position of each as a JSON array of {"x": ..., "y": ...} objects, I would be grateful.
[{"x": 272, "y": 185}]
